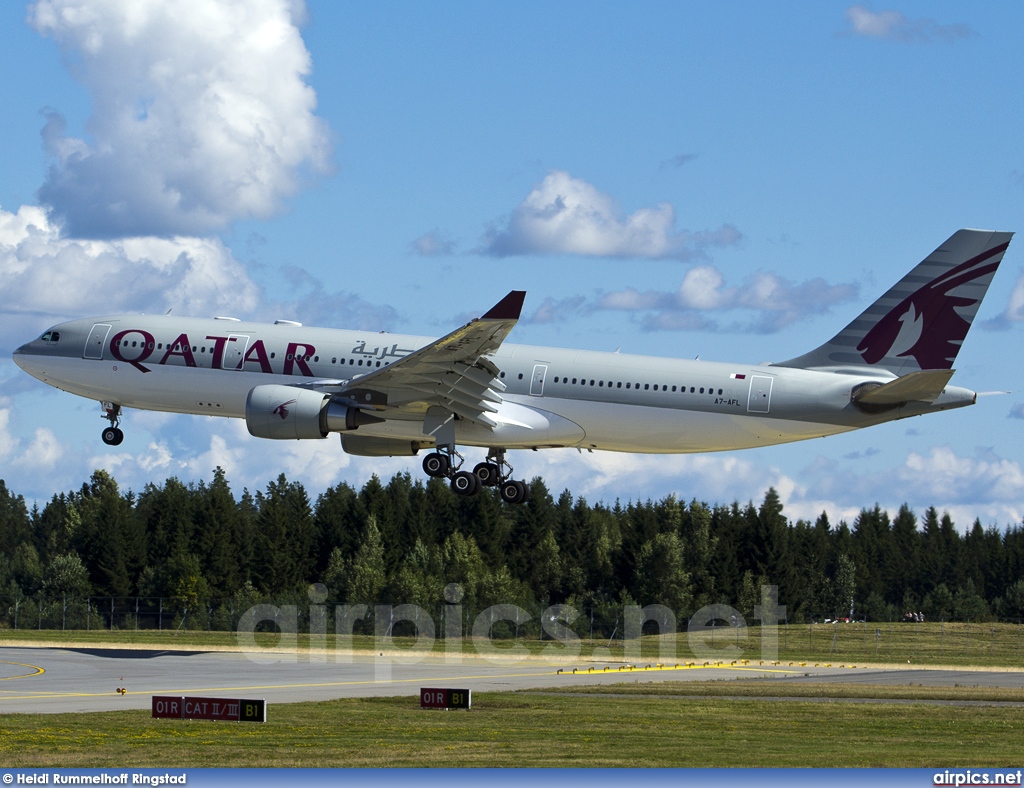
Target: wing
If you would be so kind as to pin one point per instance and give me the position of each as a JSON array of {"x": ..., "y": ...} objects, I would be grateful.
[{"x": 452, "y": 373}]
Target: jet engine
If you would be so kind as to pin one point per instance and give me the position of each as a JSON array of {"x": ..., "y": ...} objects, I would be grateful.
[{"x": 288, "y": 413}]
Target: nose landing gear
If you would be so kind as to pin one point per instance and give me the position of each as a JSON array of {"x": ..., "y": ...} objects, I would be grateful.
[
  {"x": 112, "y": 435},
  {"x": 494, "y": 472}
]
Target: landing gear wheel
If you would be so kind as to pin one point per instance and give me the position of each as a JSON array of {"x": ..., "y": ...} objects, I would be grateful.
[
  {"x": 465, "y": 483},
  {"x": 112, "y": 436},
  {"x": 488, "y": 473},
  {"x": 514, "y": 492},
  {"x": 436, "y": 464}
]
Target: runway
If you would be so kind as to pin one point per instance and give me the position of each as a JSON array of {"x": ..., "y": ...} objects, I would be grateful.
[{"x": 51, "y": 680}]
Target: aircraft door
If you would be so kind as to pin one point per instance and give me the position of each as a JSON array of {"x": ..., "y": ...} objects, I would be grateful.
[
  {"x": 234, "y": 351},
  {"x": 760, "y": 398},
  {"x": 97, "y": 339},
  {"x": 540, "y": 371}
]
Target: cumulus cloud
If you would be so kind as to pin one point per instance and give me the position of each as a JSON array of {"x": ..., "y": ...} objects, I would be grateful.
[
  {"x": 566, "y": 215},
  {"x": 984, "y": 485},
  {"x": 192, "y": 276},
  {"x": 895, "y": 26},
  {"x": 41, "y": 454},
  {"x": 201, "y": 114},
  {"x": 776, "y": 302},
  {"x": 45, "y": 273}
]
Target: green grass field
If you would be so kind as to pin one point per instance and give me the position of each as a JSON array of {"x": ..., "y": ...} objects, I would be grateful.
[
  {"x": 540, "y": 729},
  {"x": 994, "y": 645},
  {"x": 669, "y": 723}
]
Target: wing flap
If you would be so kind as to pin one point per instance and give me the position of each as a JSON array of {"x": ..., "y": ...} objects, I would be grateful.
[{"x": 453, "y": 372}]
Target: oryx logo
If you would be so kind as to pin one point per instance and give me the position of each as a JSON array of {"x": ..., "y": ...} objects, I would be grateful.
[
  {"x": 282, "y": 409},
  {"x": 926, "y": 324}
]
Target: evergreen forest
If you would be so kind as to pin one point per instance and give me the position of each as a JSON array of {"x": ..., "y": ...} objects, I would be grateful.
[{"x": 202, "y": 548}]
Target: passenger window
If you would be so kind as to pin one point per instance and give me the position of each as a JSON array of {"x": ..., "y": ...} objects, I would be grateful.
[{"x": 646, "y": 386}]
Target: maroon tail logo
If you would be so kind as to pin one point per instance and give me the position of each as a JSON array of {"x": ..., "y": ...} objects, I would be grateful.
[
  {"x": 925, "y": 324},
  {"x": 282, "y": 409}
]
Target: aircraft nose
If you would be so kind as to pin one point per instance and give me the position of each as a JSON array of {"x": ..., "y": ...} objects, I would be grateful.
[{"x": 19, "y": 356}]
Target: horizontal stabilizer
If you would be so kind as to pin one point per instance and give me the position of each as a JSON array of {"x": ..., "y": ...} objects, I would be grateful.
[{"x": 923, "y": 386}]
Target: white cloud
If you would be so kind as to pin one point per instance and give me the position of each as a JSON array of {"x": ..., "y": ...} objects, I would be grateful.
[
  {"x": 433, "y": 244},
  {"x": 565, "y": 215},
  {"x": 47, "y": 274},
  {"x": 1014, "y": 311},
  {"x": 8, "y": 442},
  {"x": 777, "y": 302},
  {"x": 312, "y": 303},
  {"x": 943, "y": 475},
  {"x": 985, "y": 486},
  {"x": 201, "y": 114},
  {"x": 895, "y": 26},
  {"x": 552, "y": 311},
  {"x": 43, "y": 452}
]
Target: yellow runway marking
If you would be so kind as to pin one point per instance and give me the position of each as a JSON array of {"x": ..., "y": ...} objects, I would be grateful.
[
  {"x": 38, "y": 670},
  {"x": 41, "y": 695},
  {"x": 614, "y": 672},
  {"x": 624, "y": 670}
]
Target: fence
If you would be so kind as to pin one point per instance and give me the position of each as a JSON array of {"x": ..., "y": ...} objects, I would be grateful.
[
  {"x": 121, "y": 613},
  {"x": 596, "y": 626}
]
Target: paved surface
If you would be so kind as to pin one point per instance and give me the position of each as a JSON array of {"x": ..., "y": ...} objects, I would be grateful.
[{"x": 60, "y": 680}]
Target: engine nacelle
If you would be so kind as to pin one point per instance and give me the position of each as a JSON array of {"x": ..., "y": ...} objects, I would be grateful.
[
  {"x": 288, "y": 413},
  {"x": 368, "y": 446}
]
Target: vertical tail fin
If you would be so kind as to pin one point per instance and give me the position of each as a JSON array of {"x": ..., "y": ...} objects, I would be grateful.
[{"x": 923, "y": 319}]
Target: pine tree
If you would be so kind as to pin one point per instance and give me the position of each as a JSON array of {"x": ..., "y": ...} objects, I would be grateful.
[{"x": 367, "y": 579}]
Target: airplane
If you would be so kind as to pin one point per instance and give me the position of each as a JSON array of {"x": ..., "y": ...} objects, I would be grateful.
[{"x": 397, "y": 395}]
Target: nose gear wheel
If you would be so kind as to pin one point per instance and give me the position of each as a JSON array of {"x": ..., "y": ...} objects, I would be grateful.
[{"x": 112, "y": 435}]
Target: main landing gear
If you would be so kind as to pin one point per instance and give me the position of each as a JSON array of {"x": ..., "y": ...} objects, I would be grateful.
[
  {"x": 112, "y": 435},
  {"x": 493, "y": 472}
]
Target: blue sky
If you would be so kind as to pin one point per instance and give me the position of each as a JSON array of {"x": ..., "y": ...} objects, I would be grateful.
[{"x": 750, "y": 177}]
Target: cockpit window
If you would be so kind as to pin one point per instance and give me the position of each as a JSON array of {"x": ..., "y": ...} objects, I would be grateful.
[{"x": 51, "y": 336}]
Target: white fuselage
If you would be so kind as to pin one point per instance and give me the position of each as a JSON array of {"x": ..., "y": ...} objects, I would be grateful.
[{"x": 554, "y": 397}]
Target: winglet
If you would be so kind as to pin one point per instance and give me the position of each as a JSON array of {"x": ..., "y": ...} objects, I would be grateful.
[{"x": 508, "y": 308}]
